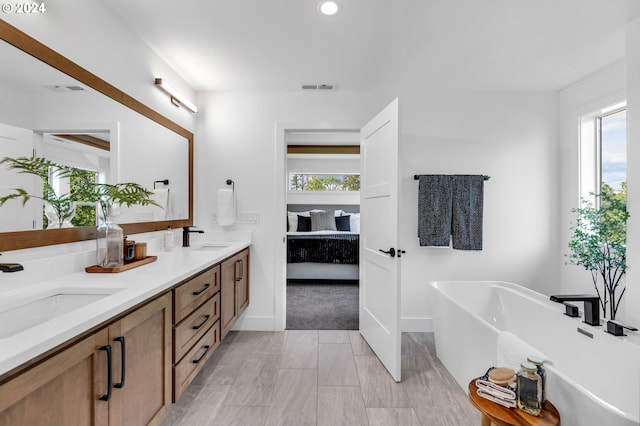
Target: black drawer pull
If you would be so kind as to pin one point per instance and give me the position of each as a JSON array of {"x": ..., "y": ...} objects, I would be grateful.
[
  {"x": 206, "y": 349},
  {"x": 107, "y": 397},
  {"x": 240, "y": 264},
  {"x": 197, "y": 293},
  {"x": 204, "y": 321},
  {"x": 122, "y": 364}
]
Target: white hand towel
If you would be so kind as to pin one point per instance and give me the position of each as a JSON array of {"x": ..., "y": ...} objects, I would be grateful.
[
  {"x": 160, "y": 196},
  {"x": 226, "y": 207},
  {"x": 509, "y": 403},
  {"x": 495, "y": 390}
]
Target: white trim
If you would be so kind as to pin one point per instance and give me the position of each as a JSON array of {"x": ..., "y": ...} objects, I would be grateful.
[
  {"x": 416, "y": 324},
  {"x": 255, "y": 323},
  {"x": 280, "y": 207}
]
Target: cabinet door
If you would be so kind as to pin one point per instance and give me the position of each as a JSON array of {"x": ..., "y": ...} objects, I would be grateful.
[
  {"x": 63, "y": 390},
  {"x": 228, "y": 306},
  {"x": 142, "y": 372},
  {"x": 242, "y": 281}
]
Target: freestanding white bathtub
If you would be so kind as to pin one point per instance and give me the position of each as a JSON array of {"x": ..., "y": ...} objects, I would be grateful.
[{"x": 593, "y": 381}]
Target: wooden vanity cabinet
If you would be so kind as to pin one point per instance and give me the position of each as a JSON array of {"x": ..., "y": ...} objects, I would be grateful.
[
  {"x": 72, "y": 387},
  {"x": 234, "y": 289},
  {"x": 63, "y": 390},
  {"x": 196, "y": 326},
  {"x": 144, "y": 370}
]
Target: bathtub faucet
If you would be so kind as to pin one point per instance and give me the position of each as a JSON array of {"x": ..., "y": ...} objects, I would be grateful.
[{"x": 591, "y": 305}]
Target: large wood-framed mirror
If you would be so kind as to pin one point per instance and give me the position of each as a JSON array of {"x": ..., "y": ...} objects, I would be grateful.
[{"x": 142, "y": 145}]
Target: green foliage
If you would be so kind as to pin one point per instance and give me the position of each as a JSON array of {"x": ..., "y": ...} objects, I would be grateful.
[
  {"x": 62, "y": 204},
  {"x": 106, "y": 194},
  {"x": 85, "y": 214},
  {"x": 308, "y": 182},
  {"x": 598, "y": 243},
  {"x": 84, "y": 188}
]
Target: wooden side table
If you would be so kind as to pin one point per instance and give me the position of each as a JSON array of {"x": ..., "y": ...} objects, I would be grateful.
[{"x": 496, "y": 415}]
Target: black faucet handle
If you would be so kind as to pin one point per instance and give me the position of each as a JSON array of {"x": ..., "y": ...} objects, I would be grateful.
[
  {"x": 571, "y": 310},
  {"x": 617, "y": 328}
]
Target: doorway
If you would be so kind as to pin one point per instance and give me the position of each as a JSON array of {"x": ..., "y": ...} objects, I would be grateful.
[{"x": 323, "y": 216}]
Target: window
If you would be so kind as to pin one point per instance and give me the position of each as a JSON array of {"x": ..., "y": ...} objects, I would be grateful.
[
  {"x": 603, "y": 152},
  {"x": 613, "y": 150},
  {"x": 324, "y": 182}
]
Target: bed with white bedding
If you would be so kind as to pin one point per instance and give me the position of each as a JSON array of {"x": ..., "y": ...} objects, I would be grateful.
[{"x": 323, "y": 254}]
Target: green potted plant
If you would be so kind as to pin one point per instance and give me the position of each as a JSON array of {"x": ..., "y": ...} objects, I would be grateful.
[
  {"x": 109, "y": 198},
  {"x": 59, "y": 208},
  {"x": 598, "y": 244}
]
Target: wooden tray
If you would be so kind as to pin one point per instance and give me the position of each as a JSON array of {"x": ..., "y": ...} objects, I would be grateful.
[{"x": 95, "y": 269}]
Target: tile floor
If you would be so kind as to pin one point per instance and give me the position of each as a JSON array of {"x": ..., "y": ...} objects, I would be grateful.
[{"x": 320, "y": 378}]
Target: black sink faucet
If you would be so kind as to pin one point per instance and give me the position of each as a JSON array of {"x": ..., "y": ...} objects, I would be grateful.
[
  {"x": 186, "y": 230},
  {"x": 591, "y": 305}
]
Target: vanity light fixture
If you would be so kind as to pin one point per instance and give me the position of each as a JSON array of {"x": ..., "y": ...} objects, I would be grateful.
[
  {"x": 328, "y": 8},
  {"x": 176, "y": 97}
]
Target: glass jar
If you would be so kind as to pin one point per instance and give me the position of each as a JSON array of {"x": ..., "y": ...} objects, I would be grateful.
[
  {"x": 109, "y": 241},
  {"x": 542, "y": 372},
  {"x": 529, "y": 389}
]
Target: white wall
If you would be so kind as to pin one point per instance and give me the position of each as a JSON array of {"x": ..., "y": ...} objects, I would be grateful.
[
  {"x": 89, "y": 34},
  {"x": 236, "y": 140},
  {"x": 633, "y": 174},
  {"x": 510, "y": 137},
  {"x": 603, "y": 88}
]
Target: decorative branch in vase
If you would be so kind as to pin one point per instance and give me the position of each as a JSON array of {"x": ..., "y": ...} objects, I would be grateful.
[
  {"x": 598, "y": 244},
  {"x": 109, "y": 198}
]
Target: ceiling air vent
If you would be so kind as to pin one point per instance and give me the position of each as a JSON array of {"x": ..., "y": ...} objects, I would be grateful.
[
  {"x": 317, "y": 87},
  {"x": 65, "y": 88}
]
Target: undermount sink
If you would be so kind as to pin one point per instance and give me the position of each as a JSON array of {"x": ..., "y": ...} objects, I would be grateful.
[
  {"x": 213, "y": 246},
  {"x": 31, "y": 311}
]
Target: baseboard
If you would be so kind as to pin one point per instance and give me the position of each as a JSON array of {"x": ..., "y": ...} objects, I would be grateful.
[
  {"x": 407, "y": 324},
  {"x": 416, "y": 324},
  {"x": 254, "y": 323}
]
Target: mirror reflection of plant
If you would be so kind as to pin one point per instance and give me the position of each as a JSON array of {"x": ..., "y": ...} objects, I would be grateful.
[
  {"x": 598, "y": 244},
  {"x": 107, "y": 195},
  {"x": 62, "y": 204},
  {"x": 85, "y": 209}
]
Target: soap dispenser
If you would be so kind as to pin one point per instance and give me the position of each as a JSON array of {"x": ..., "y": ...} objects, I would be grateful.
[{"x": 168, "y": 239}]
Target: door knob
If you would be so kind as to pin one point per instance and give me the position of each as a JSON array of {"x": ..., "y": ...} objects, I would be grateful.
[{"x": 391, "y": 252}]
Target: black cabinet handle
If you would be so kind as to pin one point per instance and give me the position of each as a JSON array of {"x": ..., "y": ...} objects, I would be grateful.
[
  {"x": 122, "y": 365},
  {"x": 240, "y": 264},
  {"x": 107, "y": 397},
  {"x": 206, "y": 349},
  {"x": 204, "y": 321},
  {"x": 206, "y": 286}
]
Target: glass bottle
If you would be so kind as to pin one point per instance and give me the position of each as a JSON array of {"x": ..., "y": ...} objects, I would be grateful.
[
  {"x": 542, "y": 372},
  {"x": 109, "y": 241},
  {"x": 529, "y": 389}
]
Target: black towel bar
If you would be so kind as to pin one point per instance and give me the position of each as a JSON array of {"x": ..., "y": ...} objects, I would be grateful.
[{"x": 416, "y": 177}]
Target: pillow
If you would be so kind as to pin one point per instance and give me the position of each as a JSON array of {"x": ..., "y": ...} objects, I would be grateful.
[
  {"x": 355, "y": 222},
  {"x": 304, "y": 224},
  {"x": 343, "y": 223},
  {"x": 321, "y": 221}
]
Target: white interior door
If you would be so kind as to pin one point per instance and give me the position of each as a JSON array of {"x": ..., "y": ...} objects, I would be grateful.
[
  {"x": 18, "y": 142},
  {"x": 379, "y": 271}
]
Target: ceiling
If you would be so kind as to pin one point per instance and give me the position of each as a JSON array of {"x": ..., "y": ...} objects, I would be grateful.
[{"x": 389, "y": 45}]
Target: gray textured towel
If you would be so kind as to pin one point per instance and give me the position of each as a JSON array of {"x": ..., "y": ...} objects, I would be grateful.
[
  {"x": 450, "y": 208},
  {"x": 435, "y": 195},
  {"x": 466, "y": 226}
]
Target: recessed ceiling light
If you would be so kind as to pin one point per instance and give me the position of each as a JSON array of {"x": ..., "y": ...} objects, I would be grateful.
[{"x": 328, "y": 8}]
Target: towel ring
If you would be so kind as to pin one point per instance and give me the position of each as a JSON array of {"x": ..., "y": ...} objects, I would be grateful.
[
  {"x": 163, "y": 181},
  {"x": 233, "y": 185}
]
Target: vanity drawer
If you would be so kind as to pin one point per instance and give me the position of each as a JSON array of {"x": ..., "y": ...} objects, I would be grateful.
[
  {"x": 194, "y": 292},
  {"x": 194, "y": 326},
  {"x": 185, "y": 370}
]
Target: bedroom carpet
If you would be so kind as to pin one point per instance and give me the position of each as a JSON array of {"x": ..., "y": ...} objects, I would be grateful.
[{"x": 322, "y": 306}]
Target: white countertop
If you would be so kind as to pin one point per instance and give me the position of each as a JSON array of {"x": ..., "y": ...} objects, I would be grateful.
[{"x": 133, "y": 287}]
